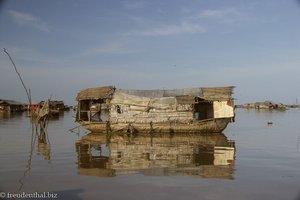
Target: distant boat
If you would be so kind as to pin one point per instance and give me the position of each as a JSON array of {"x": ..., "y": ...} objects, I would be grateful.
[{"x": 108, "y": 109}]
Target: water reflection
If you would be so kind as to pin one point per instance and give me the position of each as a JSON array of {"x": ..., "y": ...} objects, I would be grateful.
[
  {"x": 43, "y": 146},
  {"x": 4, "y": 115},
  {"x": 205, "y": 155}
]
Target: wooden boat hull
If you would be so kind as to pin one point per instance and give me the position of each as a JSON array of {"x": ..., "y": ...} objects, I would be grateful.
[{"x": 196, "y": 126}]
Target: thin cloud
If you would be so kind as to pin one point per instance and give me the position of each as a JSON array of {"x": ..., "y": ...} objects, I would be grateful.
[
  {"x": 218, "y": 13},
  {"x": 134, "y": 5},
  {"x": 226, "y": 15},
  {"x": 194, "y": 23},
  {"x": 26, "y": 19},
  {"x": 167, "y": 30},
  {"x": 115, "y": 47},
  {"x": 185, "y": 10}
]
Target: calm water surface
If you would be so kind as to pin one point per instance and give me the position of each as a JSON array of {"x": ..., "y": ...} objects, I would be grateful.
[{"x": 251, "y": 160}]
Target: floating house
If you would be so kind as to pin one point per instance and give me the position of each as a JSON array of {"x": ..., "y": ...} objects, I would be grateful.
[
  {"x": 34, "y": 106},
  {"x": 55, "y": 107},
  {"x": 109, "y": 109},
  {"x": 11, "y": 106}
]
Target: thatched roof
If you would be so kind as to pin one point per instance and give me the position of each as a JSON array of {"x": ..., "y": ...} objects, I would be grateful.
[
  {"x": 95, "y": 93},
  {"x": 217, "y": 93}
]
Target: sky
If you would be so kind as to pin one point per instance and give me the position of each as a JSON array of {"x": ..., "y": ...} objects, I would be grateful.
[{"x": 63, "y": 46}]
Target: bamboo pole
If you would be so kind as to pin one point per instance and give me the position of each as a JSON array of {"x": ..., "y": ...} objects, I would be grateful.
[{"x": 27, "y": 93}]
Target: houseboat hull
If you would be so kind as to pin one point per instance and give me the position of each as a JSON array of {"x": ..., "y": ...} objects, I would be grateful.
[{"x": 203, "y": 126}]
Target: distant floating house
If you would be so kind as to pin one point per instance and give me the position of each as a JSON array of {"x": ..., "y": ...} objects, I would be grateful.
[
  {"x": 55, "y": 105},
  {"x": 11, "y": 106},
  {"x": 267, "y": 105},
  {"x": 34, "y": 106}
]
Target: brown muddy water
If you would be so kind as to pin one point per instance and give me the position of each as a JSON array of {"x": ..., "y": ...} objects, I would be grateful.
[{"x": 250, "y": 160}]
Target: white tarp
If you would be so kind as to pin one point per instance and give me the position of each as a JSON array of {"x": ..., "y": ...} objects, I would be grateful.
[
  {"x": 137, "y": 101},
  {"x": 222, "y": 109}
]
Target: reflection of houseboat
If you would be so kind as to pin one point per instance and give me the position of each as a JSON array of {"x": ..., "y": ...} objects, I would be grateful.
[
  {"x": 207, "y": 156},
  {"x": 107, "y": 109}
]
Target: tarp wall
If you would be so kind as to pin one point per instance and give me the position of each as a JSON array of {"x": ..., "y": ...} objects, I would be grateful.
[{"x": 222, "y": 109}]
